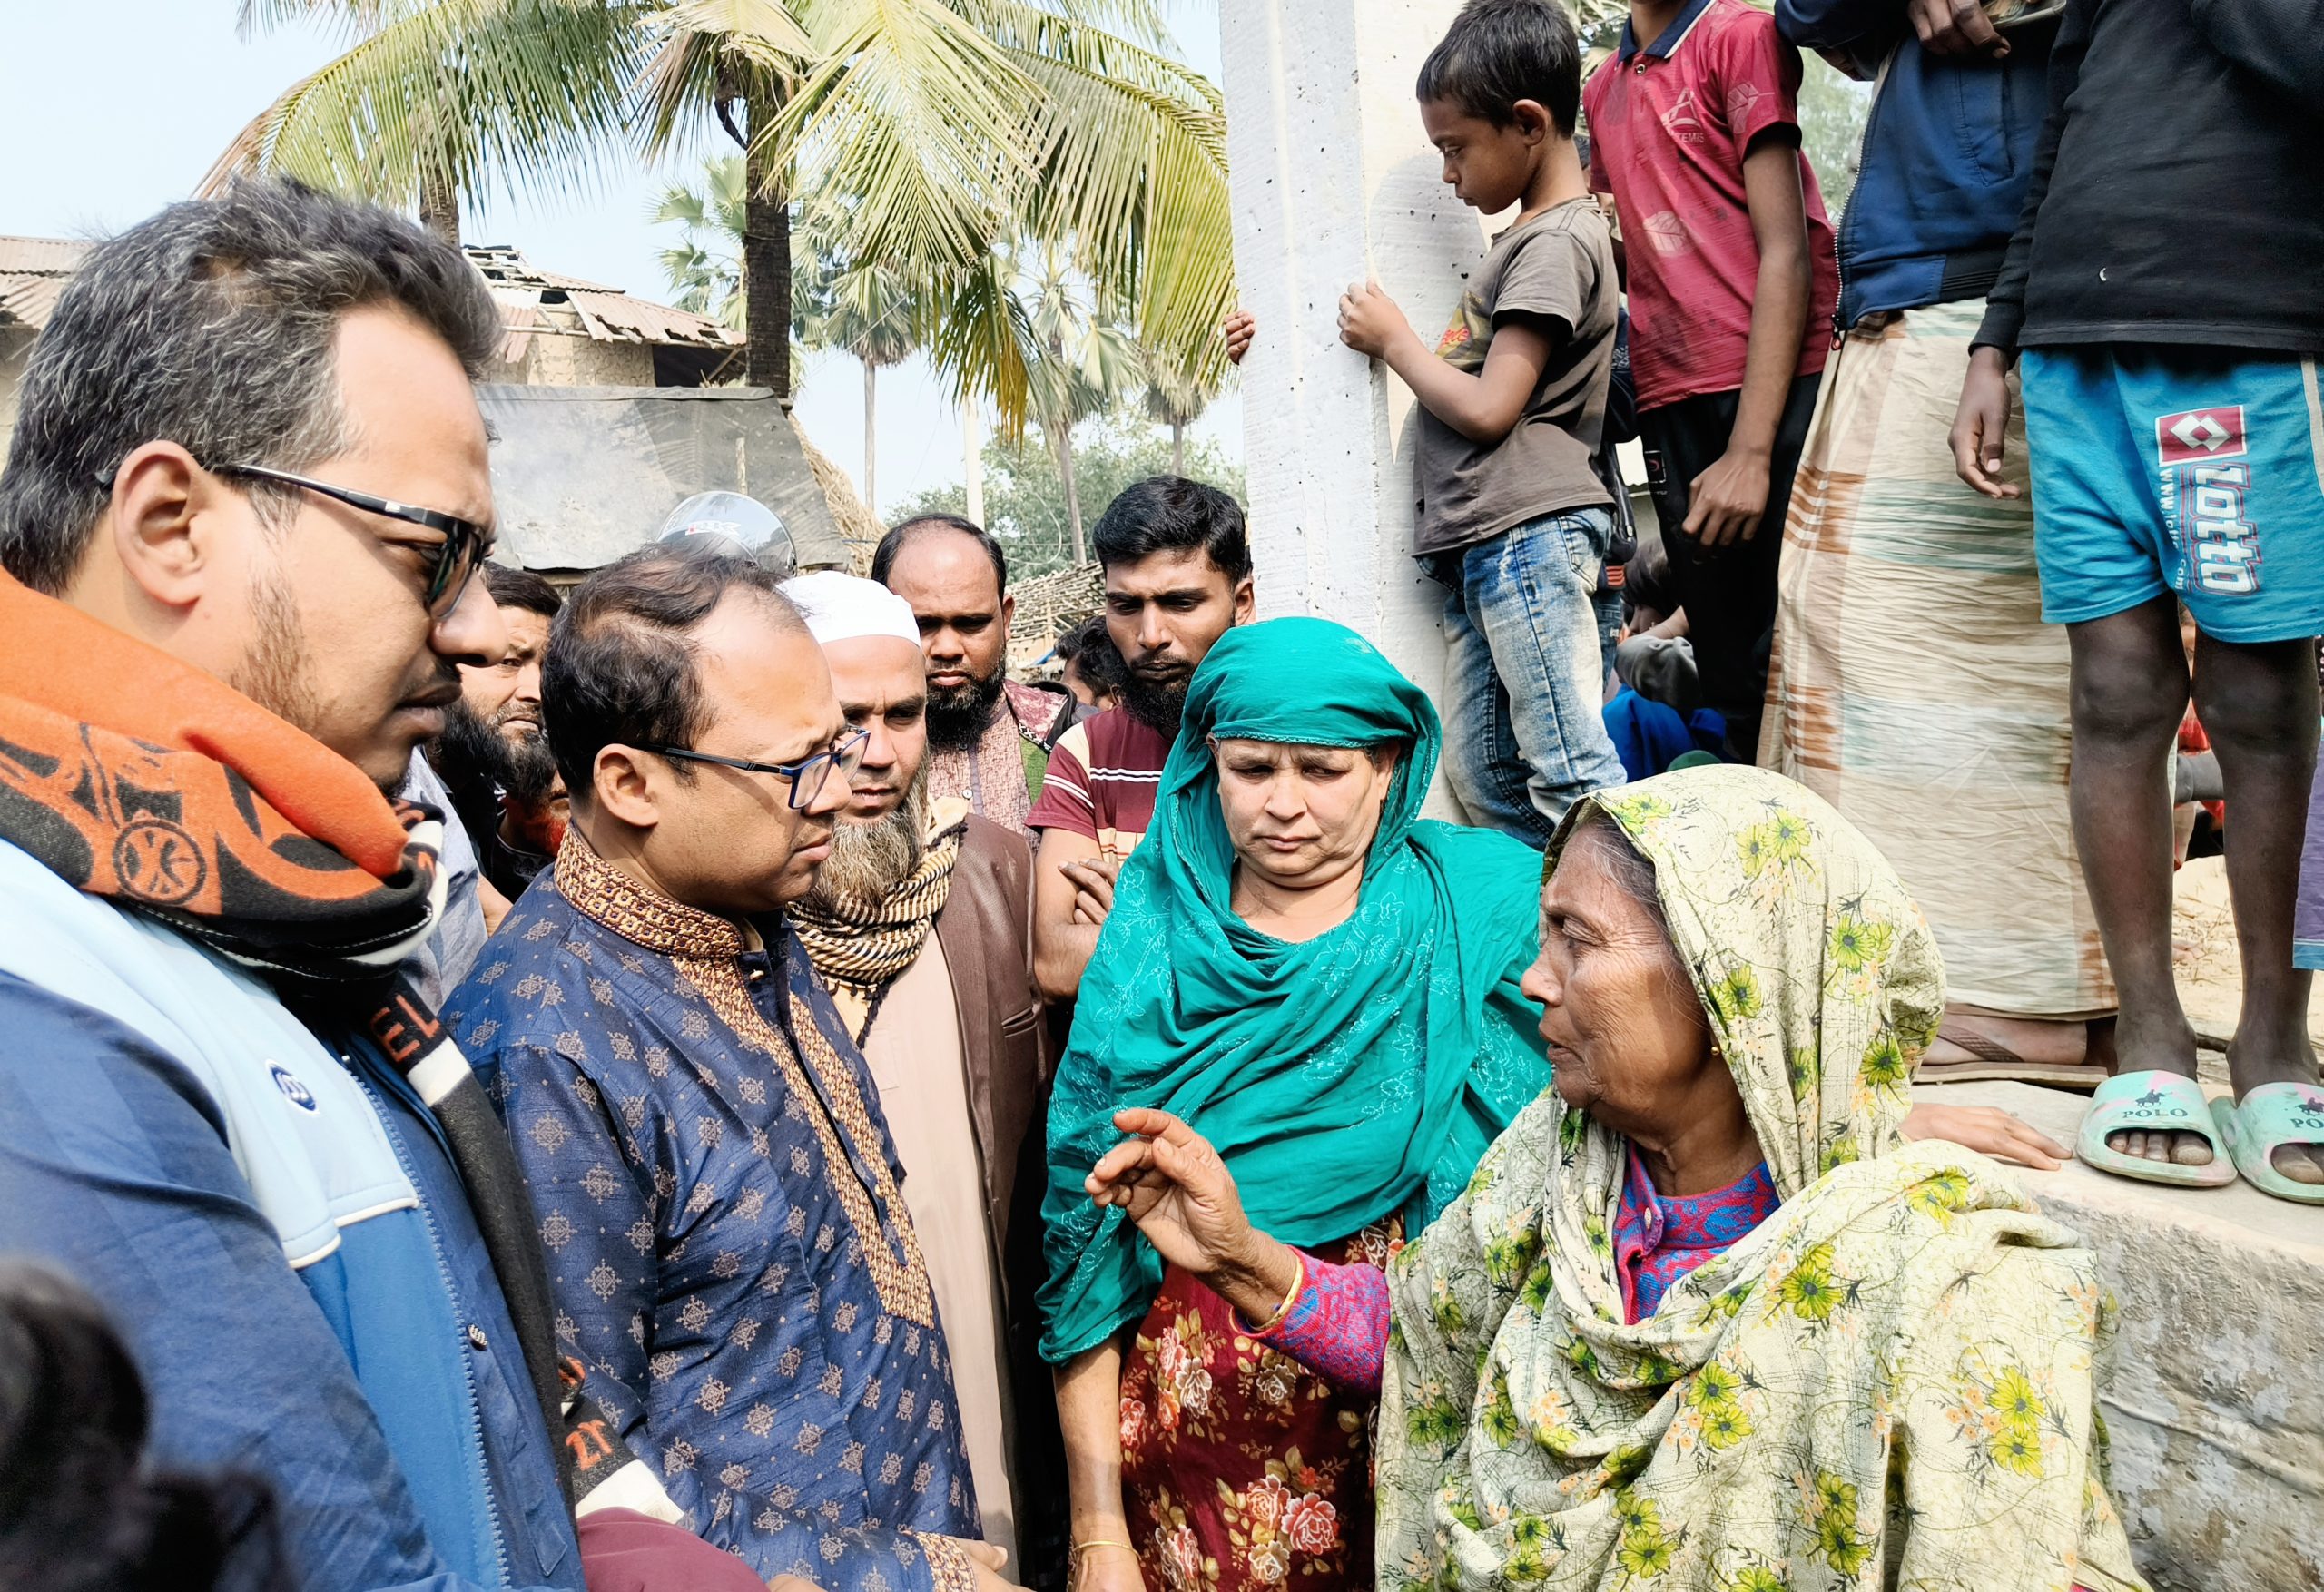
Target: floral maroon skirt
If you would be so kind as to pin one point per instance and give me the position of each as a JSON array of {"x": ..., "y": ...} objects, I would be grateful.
[{"x": 1242, "y": 1469}]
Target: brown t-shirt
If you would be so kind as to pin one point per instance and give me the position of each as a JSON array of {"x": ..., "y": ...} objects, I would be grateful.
[{"x": 1556, "y": 271}]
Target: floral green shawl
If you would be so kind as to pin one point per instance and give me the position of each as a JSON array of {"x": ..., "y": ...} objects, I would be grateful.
[{"x": 1889, "y": 1383}]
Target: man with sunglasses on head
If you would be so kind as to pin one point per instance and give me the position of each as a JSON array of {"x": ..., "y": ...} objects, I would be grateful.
[
  {"x": 729, "y": 1252},
  {"x": 246, "y": 492}
]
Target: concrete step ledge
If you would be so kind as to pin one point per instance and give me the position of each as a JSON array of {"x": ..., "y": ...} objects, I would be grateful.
[{"x": 2216, "y": 1400}]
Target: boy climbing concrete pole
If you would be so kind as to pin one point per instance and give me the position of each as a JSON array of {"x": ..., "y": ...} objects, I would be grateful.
[
  {"x": 1694, "y": 130},
  {"x": 1513, "y": 521},
  {"x": 2160, "y": 298}
]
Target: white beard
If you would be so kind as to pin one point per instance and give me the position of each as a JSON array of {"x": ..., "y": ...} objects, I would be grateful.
[{"x": 868, "y": 861}]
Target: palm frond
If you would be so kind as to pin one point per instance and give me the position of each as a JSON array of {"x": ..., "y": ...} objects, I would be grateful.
[
  {"x": 1132, "y": 151},
  {"x": 874, "y": 315},
  {"x": 981, "y": 341},
  {"x": 919, "y": 119},
  {"x": 252, "y": 17},
  {"x": 674, "y": 93},
  {"x": 529, "y": 94},
  {"x": 762, "y": 31},
  {"x": 1138, "y": 181}
]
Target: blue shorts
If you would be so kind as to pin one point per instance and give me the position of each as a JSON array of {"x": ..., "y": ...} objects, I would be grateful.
[{"x": 2163, "y": 468}]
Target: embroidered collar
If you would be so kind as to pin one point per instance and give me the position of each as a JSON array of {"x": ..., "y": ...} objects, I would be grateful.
[{"x": 647, "y": 917}]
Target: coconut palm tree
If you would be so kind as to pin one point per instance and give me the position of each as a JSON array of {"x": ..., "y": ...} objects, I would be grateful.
[
  {"x": 868, "y": 311},
  {"x": 1079, "y": 360},
  {"x": 1175, "y": 397},
  {"x": 947, "y": 129},
  {"x": 873, "y": 317},
  {"x": 704, "y": 267}
]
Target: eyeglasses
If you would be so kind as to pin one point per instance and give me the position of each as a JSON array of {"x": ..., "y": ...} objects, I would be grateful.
[
  {"x": 465, "y": 542},
  {"x": 808, "y": 776}
]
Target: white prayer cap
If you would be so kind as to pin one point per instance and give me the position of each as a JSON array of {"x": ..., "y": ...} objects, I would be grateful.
[{"x": 843, "y": 608}]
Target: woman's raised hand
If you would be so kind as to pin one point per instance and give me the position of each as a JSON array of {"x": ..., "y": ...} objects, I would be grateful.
[{"x": 1173, "y": 1185}]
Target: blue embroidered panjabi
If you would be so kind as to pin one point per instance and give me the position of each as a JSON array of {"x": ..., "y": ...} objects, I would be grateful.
[{"x": 727, "y": 1245}]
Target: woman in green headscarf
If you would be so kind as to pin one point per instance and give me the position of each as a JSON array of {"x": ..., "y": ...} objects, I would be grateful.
[
  {"x": 1327, "y": 983},
  {"x": 1703, "y": 1319}
]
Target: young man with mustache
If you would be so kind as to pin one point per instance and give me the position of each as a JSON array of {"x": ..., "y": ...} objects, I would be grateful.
[
  {"x": 1178, "y": 571},
  {"x": 494, "y": 755}
]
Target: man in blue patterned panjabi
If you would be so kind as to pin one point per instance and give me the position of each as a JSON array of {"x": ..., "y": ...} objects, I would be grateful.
[{"x": 714, "y": 1181}]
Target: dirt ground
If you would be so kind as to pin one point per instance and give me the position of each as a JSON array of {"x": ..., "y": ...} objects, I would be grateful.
[{"x": 2210, "y": 983}]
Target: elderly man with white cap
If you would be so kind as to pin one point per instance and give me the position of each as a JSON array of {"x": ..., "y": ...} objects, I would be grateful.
[{"x": 920, "y": 926}]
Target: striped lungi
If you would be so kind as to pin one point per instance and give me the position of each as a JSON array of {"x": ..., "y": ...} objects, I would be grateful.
[{"x": 1914, "y": 686}]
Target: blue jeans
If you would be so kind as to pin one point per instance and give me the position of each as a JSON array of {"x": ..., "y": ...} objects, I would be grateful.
[
  {"x": 1608, "y": 607},
  {"x": 1525, "y": 730}
]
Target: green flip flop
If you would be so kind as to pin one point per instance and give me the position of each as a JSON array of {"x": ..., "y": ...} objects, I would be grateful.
[
  {"x": 2156, "y": 1102},
  {"x": 2270, "y": 1117}
]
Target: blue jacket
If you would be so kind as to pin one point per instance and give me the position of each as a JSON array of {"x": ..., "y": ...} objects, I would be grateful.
[
  {"x": 278, "y": 1227},
  {"x": 1947, "y": 154}
]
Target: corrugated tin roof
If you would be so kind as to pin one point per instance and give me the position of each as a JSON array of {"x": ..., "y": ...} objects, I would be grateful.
[
  {"x": 60, "y": 255},
  {"x": 537, "y": 301},
  {"x": 32, "y": 271},
  {"x": 28, "y": 300}
]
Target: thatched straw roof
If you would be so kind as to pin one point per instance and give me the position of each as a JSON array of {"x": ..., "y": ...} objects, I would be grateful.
[
  {"x": 1050, "y": 604},
  {"x": 857, "y": 524}
]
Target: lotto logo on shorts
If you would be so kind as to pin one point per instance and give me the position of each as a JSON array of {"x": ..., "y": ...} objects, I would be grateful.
[
  {"x": 2200, "y": 435},
  {"x": 2206, "y": 478}
]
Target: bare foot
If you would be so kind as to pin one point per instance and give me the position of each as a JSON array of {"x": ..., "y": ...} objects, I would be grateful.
[
  {"x": 2035, "y": 1041},
  {"x": 2157, "y": 1047}
]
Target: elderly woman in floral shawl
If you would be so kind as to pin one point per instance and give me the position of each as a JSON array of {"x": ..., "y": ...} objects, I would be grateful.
[{"x": 1703, "y": 1319}]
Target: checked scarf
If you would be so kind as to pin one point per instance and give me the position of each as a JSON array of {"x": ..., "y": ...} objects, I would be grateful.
[
  {"x": 859, "y": 949},
  {"x": 156, "y": 785}
]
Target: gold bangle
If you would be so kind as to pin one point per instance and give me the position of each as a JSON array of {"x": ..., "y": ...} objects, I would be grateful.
[
  {"x": 1298, "y": 1286},
  {"x": 1078, "y": 1548}
]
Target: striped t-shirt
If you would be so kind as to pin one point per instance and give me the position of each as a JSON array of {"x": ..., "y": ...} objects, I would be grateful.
[{"x": 1103, "y": 774}]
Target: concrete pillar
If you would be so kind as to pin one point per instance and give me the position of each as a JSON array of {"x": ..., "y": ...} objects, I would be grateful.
[{"x": 1333, "y": 181}]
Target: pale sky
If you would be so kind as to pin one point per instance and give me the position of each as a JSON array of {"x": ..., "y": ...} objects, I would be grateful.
[{"x": 107, "y": 113}]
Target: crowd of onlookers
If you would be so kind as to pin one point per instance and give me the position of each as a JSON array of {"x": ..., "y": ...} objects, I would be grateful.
[{"x": 701, "y": 1079}]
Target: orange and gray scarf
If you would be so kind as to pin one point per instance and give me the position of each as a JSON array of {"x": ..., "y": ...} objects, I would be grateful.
[{"x": 140, "y": 779}]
